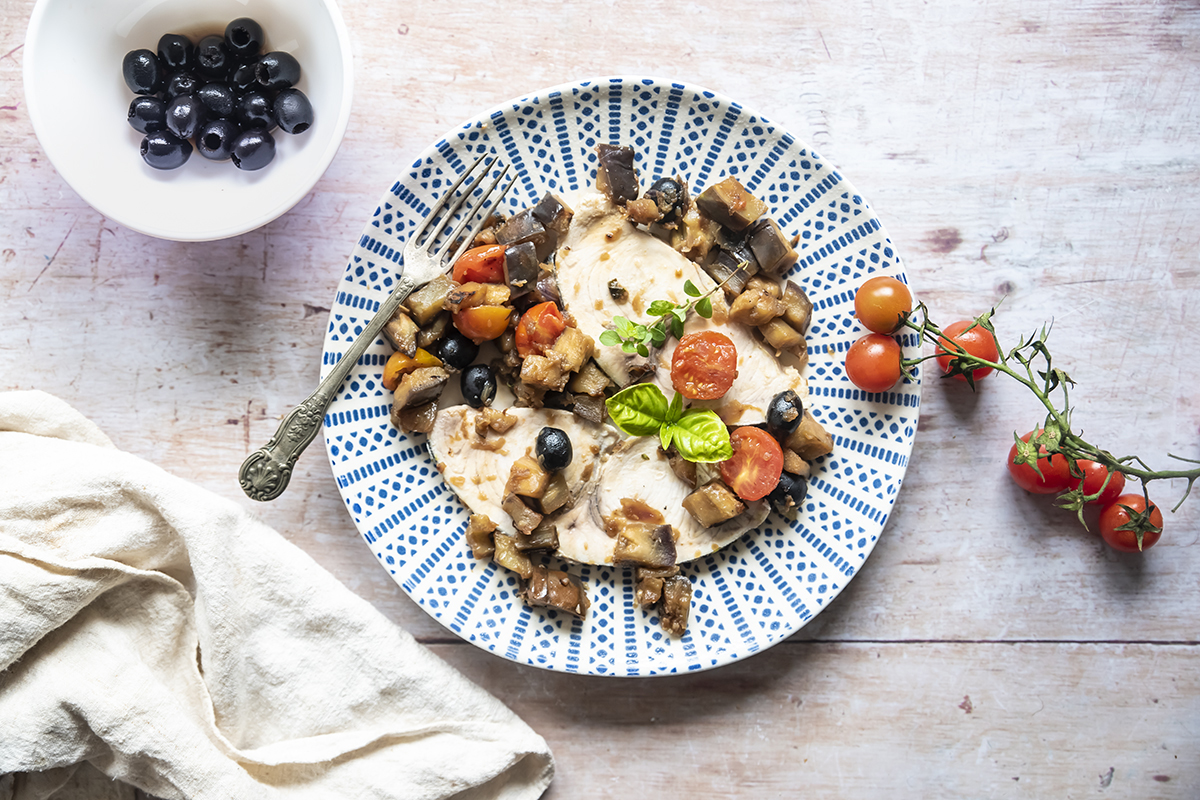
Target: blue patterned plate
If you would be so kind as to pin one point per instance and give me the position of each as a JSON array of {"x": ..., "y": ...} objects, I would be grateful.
[{"x": 752, "y": 594}]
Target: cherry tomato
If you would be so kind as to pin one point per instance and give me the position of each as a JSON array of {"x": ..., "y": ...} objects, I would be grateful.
[
  {"x": 482, "y": 323},
  {"x": 1056, "y": 472},
  {"x": 976, "y": 341},
  {"x": 756, "y": 464},
  {"x": 481, "y": 265},
  {"x": 880, "y": 303},
  {"x": 398, "y": 365},
  {"x": 1115, "y": 516},
  {"x": 1094, "y": 474},
  {"x": 873, "y": 362},
  {"x": 704, "y": 365},
  {"x": 538, "y": 328}
]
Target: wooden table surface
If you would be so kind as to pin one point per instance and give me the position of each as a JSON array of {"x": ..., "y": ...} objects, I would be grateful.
[{"x": 1046, "y": 154}]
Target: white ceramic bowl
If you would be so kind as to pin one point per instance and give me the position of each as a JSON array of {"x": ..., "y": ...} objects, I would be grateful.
[{"x": 78, "y": 102}]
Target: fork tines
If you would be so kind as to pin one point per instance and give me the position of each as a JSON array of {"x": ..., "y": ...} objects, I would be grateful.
[{"x": 453, "y": 201}]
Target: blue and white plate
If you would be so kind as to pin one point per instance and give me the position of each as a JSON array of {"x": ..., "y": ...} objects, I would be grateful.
[{"x": 752, "y": 594}]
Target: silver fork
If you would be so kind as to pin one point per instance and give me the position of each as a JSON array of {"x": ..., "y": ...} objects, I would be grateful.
[{"x": 266, "y": 472}]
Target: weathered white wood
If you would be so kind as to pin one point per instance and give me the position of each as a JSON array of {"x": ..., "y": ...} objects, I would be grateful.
[{"x": 1042, "y": 155}]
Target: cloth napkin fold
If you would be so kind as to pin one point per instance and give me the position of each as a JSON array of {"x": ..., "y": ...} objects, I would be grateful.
[{"x": 153, "y": 632}]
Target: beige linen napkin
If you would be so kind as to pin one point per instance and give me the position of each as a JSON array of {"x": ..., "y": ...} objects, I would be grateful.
[{"x": 153, "y": 632}]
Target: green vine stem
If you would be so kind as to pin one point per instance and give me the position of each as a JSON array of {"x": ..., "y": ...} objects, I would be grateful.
[{"x": 1031, "y": 364}]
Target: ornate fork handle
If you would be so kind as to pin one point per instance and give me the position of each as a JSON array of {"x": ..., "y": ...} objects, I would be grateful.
[{"x": 266, "y": 472}]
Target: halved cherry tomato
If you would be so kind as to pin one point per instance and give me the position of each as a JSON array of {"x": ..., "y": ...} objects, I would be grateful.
[
  {"x": 1056, "y": 472},
  {"x": 873, "y": 362},
  {"x": 757, "y": 462},
  {"x": 482, "y": 323},
  {"x": 704, "y": 366},
  {"x": 398, "y": 365},
  {"x": 1094, "y": 474},
  {"x": 880, "y": 303},
  {"x": 977, "y": 341},
  {"x": 538, "y": 328},
  {"x": 1115, "y": 515},
  {"x": 480, "y": 264}
]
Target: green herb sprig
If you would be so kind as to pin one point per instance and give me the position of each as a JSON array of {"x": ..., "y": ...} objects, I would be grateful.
[
  {"x": 634, "y": 337},
  {"x": 1031, "y": 364}
]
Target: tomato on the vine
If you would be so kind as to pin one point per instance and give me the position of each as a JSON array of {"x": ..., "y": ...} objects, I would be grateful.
[
  {"x": 881, "y": 302},
  {"x": 538, "y": 328},
  {"x": 704, "y": 365},
  {"x": 873, "y": 362},
  {"x": 977, "y": 341},
  {"x": 1116, "y": 516},
  {"x": 1094, "y": 474},
  {"x": 757, "y": 462},
  {"x": 1056, "y": 471},
  {"x": 480, "y": 264}
]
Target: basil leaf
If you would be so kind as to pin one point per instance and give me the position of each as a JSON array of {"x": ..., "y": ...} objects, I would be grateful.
[
  {"x": 675, "y": 411},
  {"x": 665, "y": 434},
  {"x": 701, "y": 436},
  {"x": 638, "y": 410}
]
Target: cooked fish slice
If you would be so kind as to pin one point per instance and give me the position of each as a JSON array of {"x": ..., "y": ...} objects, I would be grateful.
[
  {"x": 637, "y": 471},
  {"x": 603, "y": 246},
  {"x": 477, "y": 468}
]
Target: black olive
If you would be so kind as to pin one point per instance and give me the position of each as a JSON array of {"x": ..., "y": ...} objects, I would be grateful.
[
  {"x": 165, "y": 150},
  {"x": 181, "y": 83},
  {"x": 553, "y": 449},
  {"x": 215, "y": 139},
  {"x": 255, "y": 110},
  {"x": 244, "y": 37},
  {"x": 784, "y": 413},
  {"x": 278, "y": 70},
  {"x": 244, "y": 77},
  {"x": 293, "y": 112},
  {"x": 217, "y": 99},
  {"x": 184, "y": 116},
  {"x": 668, "y": 194},
  {"x": 788, "y": 494},
  {"x": 457, "y": 351},
  {"x": 478, "y": 384},
  {"x": 253, "y": 149},
  {"x": 176, "y": 53},
  {"x": 143, "y": 74},
  {"x": 147, "y": 114},
  {"x": 212, "y": 57}
]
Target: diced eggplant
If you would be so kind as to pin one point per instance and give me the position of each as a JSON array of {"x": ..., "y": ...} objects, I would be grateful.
[
  {"x": 494, "y": 420},
  {"x": 420, "y": 386},
  {"x": 713, "y": 503},
  {"x": 543, "y": 372},
  {"x": 553, "y": 588},
  {"x": 650, "y": 584},
  {"x": 479, "y": 535},
  {"x": 401, "y": 333},
  {"x": 572, "y": 348},
  {"x": 590, "y": 380},
  {"x": 524, "y": 518},
  {"x": 643, "y": 211},
  {"x": 729, "y": 275},
  {"x": 547, "y": 289},
  {"x": 556, "y": 495},
  {"x": 781, "y": 336},
  {"x": 434, "y": 331},
  {"x": 730, "y": 204},
  {"x": 543, "y": 537},
  {"x": 754, "y": 307},
  {"x": 615, "y": 173},
  {"x": 591, "y": 408},
  {"x": 466, "y": 295},
  {"x": 427, "y": 302},
  {"x": 508, "y": 556},
  {"x": 527, "y": 478},
  {"x": 553, "y": 213},
  {"x": 684, "y": 470},
  {"x": 810, "y": 440},
  {"x": 675, "y": 604},
  {"x": 416, "y": 419},
  {"x": 642, "y": 545},
  {"x": 797, "y": 307},
  {"x": 525, "y": 227},
  {"x": 766, "y": 284},
  {"x": 521, "y": 268},
  {"x": 771, "y": 247},
  {"x": 696, "y": 235}
]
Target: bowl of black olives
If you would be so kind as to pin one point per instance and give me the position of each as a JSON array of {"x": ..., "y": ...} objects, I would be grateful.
[{"x": 189, "y": 120}]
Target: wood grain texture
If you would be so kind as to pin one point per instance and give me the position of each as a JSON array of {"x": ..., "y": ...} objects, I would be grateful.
[{"x": 1030, "y": 153}]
